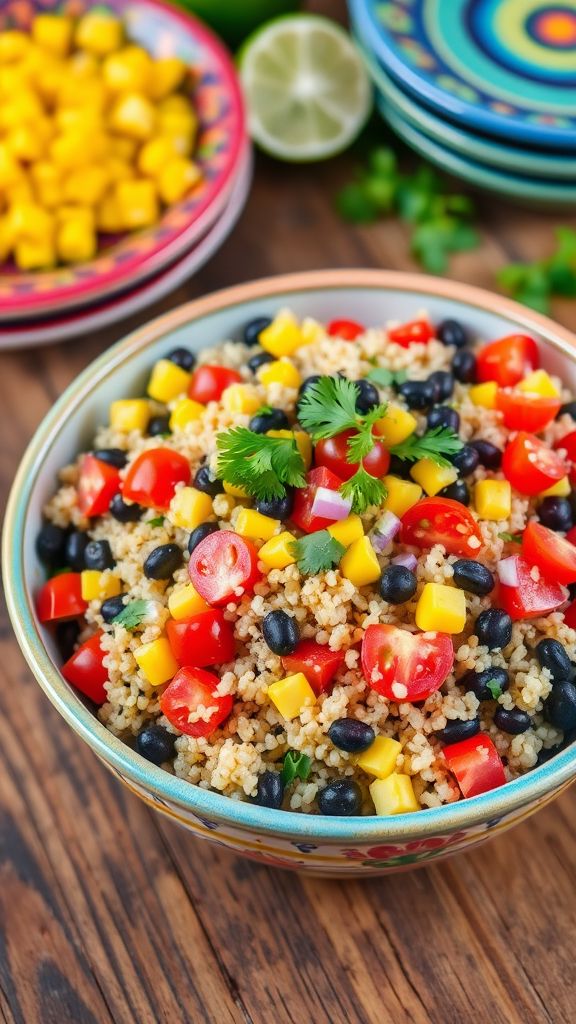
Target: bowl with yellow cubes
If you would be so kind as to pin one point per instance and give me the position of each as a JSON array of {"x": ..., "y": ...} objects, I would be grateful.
[
  {"x": 297, "y": 562},
  {"x": 122, "y": 130}
]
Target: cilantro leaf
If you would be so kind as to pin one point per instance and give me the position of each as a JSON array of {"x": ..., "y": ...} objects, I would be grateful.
[
  {"x": 386, "y": 378},
  {"x": 495, "y": 688},
  {"x": 435, "y": 444},
  {"x": 317, "y": 552},
  {"x": 158, "y": 521},
  {"x": 328, "y": 408},
  {"x": 364, "y": 490},
  {"x": 264, "y": 410},
  {"x": 131, "y": 615},
  {"x": 296, "y": 765},
  {"x": 511, "y": 538},
  {"x": 264, "y": 466}
]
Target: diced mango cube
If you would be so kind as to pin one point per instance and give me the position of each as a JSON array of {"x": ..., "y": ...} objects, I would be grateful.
[
  {"x": 253, "y": 524},
  {"x": 347, "y": 530},
  {"x": 133, "y": 115},
  {"x": 186, "y": 411},
  {"x": 282, "y": 371},
  {"x": 128, "y": 70},
  {"x": 167, "y": 74},
  {"x": 76, "y": 240},
  {"x": 539, "y": 383},
  {"x": 108, "y": 216},
  {"x": 291, "y": 695},
  {"x": 99, "y": 32},
  {"x": 431, "y": 477},
  {"x": 186, "y": 601},
  {"x": 25, "y": 142},
  {"x": 156, "y": 661},
  {"x": 561, "y": 489},
  {"x": 394, "y": 795},
  {"x": 380, "y": 757},
  {"x": 484, "y": 395},
  {"x": 13, "y": 45},
  {"x": 99, "y": 586},
  {"x": 85, "y": 185},
  {"x": 189, "y": 507},
  {"x": 177, "y": 178},
  {"x": 53, "y": 32},
  {"x": 283, "y": 336},
  {"x": 137, "y": 203},
  {"x": 359, "y": 564},
  {"x": 128, "y": 414},
  {"x": 311, "y": 330},
  {"x": 493, "y": 499},
  {"x": 28, "y": 220},
  {"x": 277, "y": 552},
  {"x": 395, "y": 426},
  {"x": 155, "y": 154},
  {"x": 303, "y": 442},
  {"x": 441, "y": 609},
  {"x": 241, "y": 398},
  {"x": 35, "y": 253},
  {"x": 402, "y": 494},
  {"x": 10, "y": 170},
  {"x": 167, "y": 381}
]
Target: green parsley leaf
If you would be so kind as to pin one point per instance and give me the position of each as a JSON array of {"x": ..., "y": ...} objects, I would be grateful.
[
  {"x": 435, "y": 444},
  {"x": 511, "y": 538},
  {"x": 495, "y": 688},
  {"x": 317, "y": 552},
  {"x": 328, "y": 407},
  {"x": 386, "y": 378},
  {"x": 131, "y": 615},
  {"x": 264, "y": 410},
  {"x": 296, "y": 765},
  {"x": 264, "y": 466},
  {"x": 364, "y": 490},
  {"x": 158, "y": 521}
]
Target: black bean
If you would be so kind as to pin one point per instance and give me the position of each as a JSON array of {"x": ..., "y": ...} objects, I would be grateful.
[
  {"x": 156, "y": 744},
  {"x": 51, "y": 545},
  {"x": 443, "y": 416},
  {"x": 560, "y": 706},
  {"x": 111, "y": 607},
  {"x": 477, "y": 682},
  {"x": 183, "y": 358},
  {"x": 113, "y": 456},
  {"x": 277, "y": 508},
  {"x": 512, "y": 720},
  {"x": 259, "y": 360},
  {"x": 163, "y": 562},
  {"x": 98, "y": 555},
  {"x": 569, "y": 408},
  {"x": 443, "y": 383},
  {"x": 308, "y": 382},
  {"x": 207, "y": 482},
  {"x": 342, "y": 797},
  {"x": 451, "y": 332},
  {"x": 368, "y": 396},
  {"x": 397, "y": 584},
  {"x": 473, "y": 577},
  {"x": 253, "y": 330},
  {"x": 490, "y": 456},
  {"x": 123, "y": 511},
  {"x": 270, "y": 790},
  {"x": 456, "y": 730},
  {"x": 553, "y": 655},
  {"x": 418, "y": 394},
  {"x": 276, "y": 419},
  {"x": 76, "y": 544},
  {"x": 464, "y": 366},
  {"x": 547, "y": 753},
  {"x": 351, "y": 735},
  {"x": 200, "y": 533},
  {"x": 494, "y": 628},
  {"x": 280, "y": 632},
  {"x": 466, "y": 460},
  {"x": 158, "y": 426},
  {"x": 400, "y": 467},
  {"x": 458, "y": 491},
  {"x": 67, "y": 634},
  {"x": 556, "y": 514}
]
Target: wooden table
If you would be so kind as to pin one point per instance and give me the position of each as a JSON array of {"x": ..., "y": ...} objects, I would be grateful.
[{"x": 109, "y": 913}]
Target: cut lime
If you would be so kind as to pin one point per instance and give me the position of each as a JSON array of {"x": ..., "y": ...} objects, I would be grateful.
[{"x": 306, "y": 88}]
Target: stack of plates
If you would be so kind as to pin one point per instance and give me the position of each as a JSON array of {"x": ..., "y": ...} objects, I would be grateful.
[{"x": 485, "y": 89}]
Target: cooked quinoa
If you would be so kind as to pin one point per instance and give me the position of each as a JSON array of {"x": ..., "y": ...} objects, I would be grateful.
[{"x": 327, "y": 607}]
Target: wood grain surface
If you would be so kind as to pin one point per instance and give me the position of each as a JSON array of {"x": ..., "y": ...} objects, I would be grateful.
[{"x": 108, "y": 914}]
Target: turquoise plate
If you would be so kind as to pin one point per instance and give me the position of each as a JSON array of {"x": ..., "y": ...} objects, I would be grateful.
[{"x": 506, "y": 67}]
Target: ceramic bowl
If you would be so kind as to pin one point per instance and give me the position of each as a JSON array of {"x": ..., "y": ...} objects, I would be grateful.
[
  {"x": 163, "y": 31},
  {"x": 308, "y": 843}
]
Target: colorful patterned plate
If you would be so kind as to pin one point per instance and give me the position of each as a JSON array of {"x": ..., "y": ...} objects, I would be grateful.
[
  {"x": 165, "y": 31},
  {"x": 506, "y": 67}
]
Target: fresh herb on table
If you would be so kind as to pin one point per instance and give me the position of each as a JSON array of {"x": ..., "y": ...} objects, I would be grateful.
[
  {"x": 131, "y": 615},
  {"x": 511, "y": 538},
  {"x": 385, "y": 378},
  {"x": 435, "y": 445},
  {"x": 264, "y": 466},
  {"x": 296, "y": 765},
  {"x": 158, "y": 521},
  {"x": 535, "y": 284},
  {"x": 495, "y": 688},
  {"x": 317, "y": 552}
]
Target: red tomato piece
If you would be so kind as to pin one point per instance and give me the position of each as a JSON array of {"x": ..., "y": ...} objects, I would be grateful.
[
  {"x": 568, "y": 444},
  {"x": 151, "y": 479},
  {"x": 534, "y": 596},
  {"x": 61, "y": 598},
  {"x": 304, "y": 499},
  {"x": 85, "y": 669},
  {"x": 508, "y": 360},
  {"x": 475, "y": 764},
  {"x": 203, "y": 639},
  {"x": 208, "y": 383},
  {"x": 414, "y": 332},
  {"x": 554, "y": 555},
  {"x": 223, "y": 565},
  {"x": 405, "y": 666},
  {"x": 191, "y": 689},
  {"x": 523, "y": 411},
  {"x": 349, "y": 330},
  {"x": 332, "y": 453},
  {"x": 442, "y": 521},
  {"x": 318, "y": 663},
  {"x": 97, "y": 484},
  {"x": 530, "y": 465}
]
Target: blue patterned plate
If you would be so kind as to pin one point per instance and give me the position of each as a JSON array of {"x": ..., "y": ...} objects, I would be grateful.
[{"x": 506, "y": 67}]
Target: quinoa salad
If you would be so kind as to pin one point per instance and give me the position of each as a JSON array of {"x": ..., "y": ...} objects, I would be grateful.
[{"x": 327, "y": 568}]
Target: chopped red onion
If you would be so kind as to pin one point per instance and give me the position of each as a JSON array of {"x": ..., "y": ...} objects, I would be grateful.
[
  {"x": 384, "y": 531},
  {"x": 330, "y": 504},
  {"x": 507, "y": 569},
  {"x": 407, "y": 560}
]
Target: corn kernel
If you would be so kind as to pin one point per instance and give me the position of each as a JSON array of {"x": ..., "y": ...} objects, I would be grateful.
[
  {"x": 13, "y": 45},
  {"x": 241, "y": 398},
  {"x": 395, "y": 426},
  {"x": 283, "y": 336},
  {"x": 128, "y": 71},
  {"x": 233, "y": 491},
  {"x": 35, "y": 253},
  {"x": 402, "y": 494},
  {"x": 253, "y": 524},
  {"x": 98, "y": 32},
  {"x": 280, "y": 372},
  {"x": 394, "y": 795},
  {"x": 167, "y": 74},
  {"x": 291, "y": 695},
  {"x": 441, "y": 608},
  {"x": 432, "y": 478},
  {"x": 484, "y": 395},
  {"x": 130, "y": 414},
  {"x": 189, "y": 507},
  {"x": 76, "y": 241},
  {"x": 186, "y": 601},
  {"x": 133, "y": 115},
  {"x": 137, "y": 203},
  {"x": 380, "y": 757},
  {"x": 156, "y": 661},
  {"x": 303, "y": 442},
  {"x": 167, "y": 381},
  {"x": 155, "y": 154},
  {"x": 347, "y": 530},
  {"x": 52, "y": 32},
  {"x": 277, "y": 552},
  {"x": 360, "y": 564},
  {"x": 185, "y": 412},
  {"x": 561, "y": 489},
  {"x": 99, "y": 586},
  {"x": 493, "y": 499},
  {"x": 539, "y": 383}
]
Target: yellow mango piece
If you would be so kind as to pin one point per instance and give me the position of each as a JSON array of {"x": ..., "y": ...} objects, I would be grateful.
[
  {"x": 253, "y": 524},
  {"x": 277, "y": 552},
  {"x": 166, "y": 76},
  {"x": 29, "y": 221},
  {"x": 484, "y": 395},
  {"x": 128, "y": 71},
  {"x": 186, "y": 601},
  {"x": 347, "y": 530},
  {"x": 431, "y": 477},
  {"x": 539, "y": 383},
  {"x": 99, "y": 32},
  {"x": 133, "y": 115},
  {"x": 241, "y": 398},
  {"x": 394, "y": 795},
  {"x": 167, "y": 381},
  {"x": 402, "y": 494},
  {"x": 380, "y": 757},
  {"x": 282, "y": 337},
  {"x": 13, "y": 45},
  {"x": 10, "y": 170},
  {"x": 359, "y": 564},
  {"x": 189, "y": 508},
  {"x": 25, "y": 143},
  {"x": 156, "y": 154},
  {"x": 99, "y": 586},
  {"x": 280, "y": 372},
  {"x": 177, "y": 178},
  {"x": 291, "y": 695},
  {"x": 85, "y": 185},
  {"x": 53, "y": 32},
  {"x": 441, "y": 609},
  {"x": 76, "y": 241},
  {"x": 137, "y": 203},
  {"x": 493, "y": 499},
  {"x": 128, "y": 414},
  {"x": 35, "y": 253},
  {"x": 561, "y": 489},
  {"x": 156, "y": 661},
  {"x": 395, "y": 426},
  {"x": 185, "y": 412}
]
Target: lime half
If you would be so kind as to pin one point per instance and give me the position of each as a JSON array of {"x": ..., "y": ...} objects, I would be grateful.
[{"x": 306, "y": 88}]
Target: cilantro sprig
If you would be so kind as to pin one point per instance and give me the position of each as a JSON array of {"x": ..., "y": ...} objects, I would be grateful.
[
  {"x": 264, "y": 466},
  {"x": 363, "y": 490},
  {"x": 317, "y": 552},
  {"x": 536, "y": 284},
  {"x": 295, "y": 765},
  {"x": 386, "y": 378},
  {"x": 495, "y": 688},
  {"x": 511, "y": 538},
  {"x": 328, "y": 407},
  {"x": 132, "y": 615},
  {"x": 435, "y": 445}
]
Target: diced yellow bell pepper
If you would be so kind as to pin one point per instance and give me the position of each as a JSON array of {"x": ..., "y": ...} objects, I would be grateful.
[
  {"x": 99, "y": 586},
  {"x": 441, "y": 609},
  {"x": 167, "y": 381},
  {"x": 185, "y": 412},
  {"x": 484, "y": 395},
  {"x": 85, "y": 185},
  {"x": 168, "y": 73},
  {"x": 177, "y": 178},
  {"x": 137, "y": 203},
  {"x": 360, "y": 564},
  {"x": 432, "y": 478},
  {"x": 186, "y": 601},
  {"x": 394, "y": 795},
  {"x": 133, "y": 115},
  {"x": 539, "y": 383},
  {"x": 380, "y": 757},
  {"x": 99, "y": 32},
  {"x": 277, "y": 552},
  {"x": 35, "y": 253},
  {"x": 76, "y": 241},
  {"x": 493, "y": 499},
  {"x": 253, "y": 524},
  {"x": 155, "y": 154},
  {"x": 395, "y": 426},
  {"x": 233, "y": 491},
  {"x": 303, "y": 442},
  {"x": 156, "y": 661},
  {"x": 280, "y": 372},
  {"x": 241, "y": 398},
  {"x": 13, "y": 45},
  {"x": 561, "y": 489},
  {"x": 291, "y": 695},
  {"x": 130, "y": 414},
  {"x": 53, "y": 32},
  {"x": 347, "y": 530},
  {"x": 282, "y": 337},
  {"x": 402, "y": 494},
  {"x": 189, "y": 507},
  {"x": 128, "y": 70}
]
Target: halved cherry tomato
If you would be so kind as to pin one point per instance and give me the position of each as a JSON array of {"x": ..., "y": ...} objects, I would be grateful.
[
  {"x": 151, "y": 479},
  {"x": 332, "y": 453},
  {"x": 191, "y": 689},
  {"x": 208, "y": 383},
  {"x": 318, "y": 663},
  {"x": 203, "y": 639},
  {"x": 554, "y": 555},
  {"x": 568, "y": 444},
  {"x": 224, "y": 566},
  {"x": 349, "y": 330},
  {"x": 442, "y": 521},
  {"x": 475, "y": 764},
  {"x": 304, "y": 499},
  {"x": 523, "y": 411},
  {"x": 61, "y": 598},
  {"x": 414, "y": 332},
  {"x": 534, "y": 596},
  {"x": 85, "y": 669},
  {"x": 98, "y": 482},
  {"x": 507, "y": 360},
  {"x": 530, "y": 465},
  {"x": 405, "y": 666}
]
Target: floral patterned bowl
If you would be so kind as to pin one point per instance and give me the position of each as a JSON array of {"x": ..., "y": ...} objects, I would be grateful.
[
  {"x": 222, "y": 142},
  {"x": 308, "y": 843}
]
